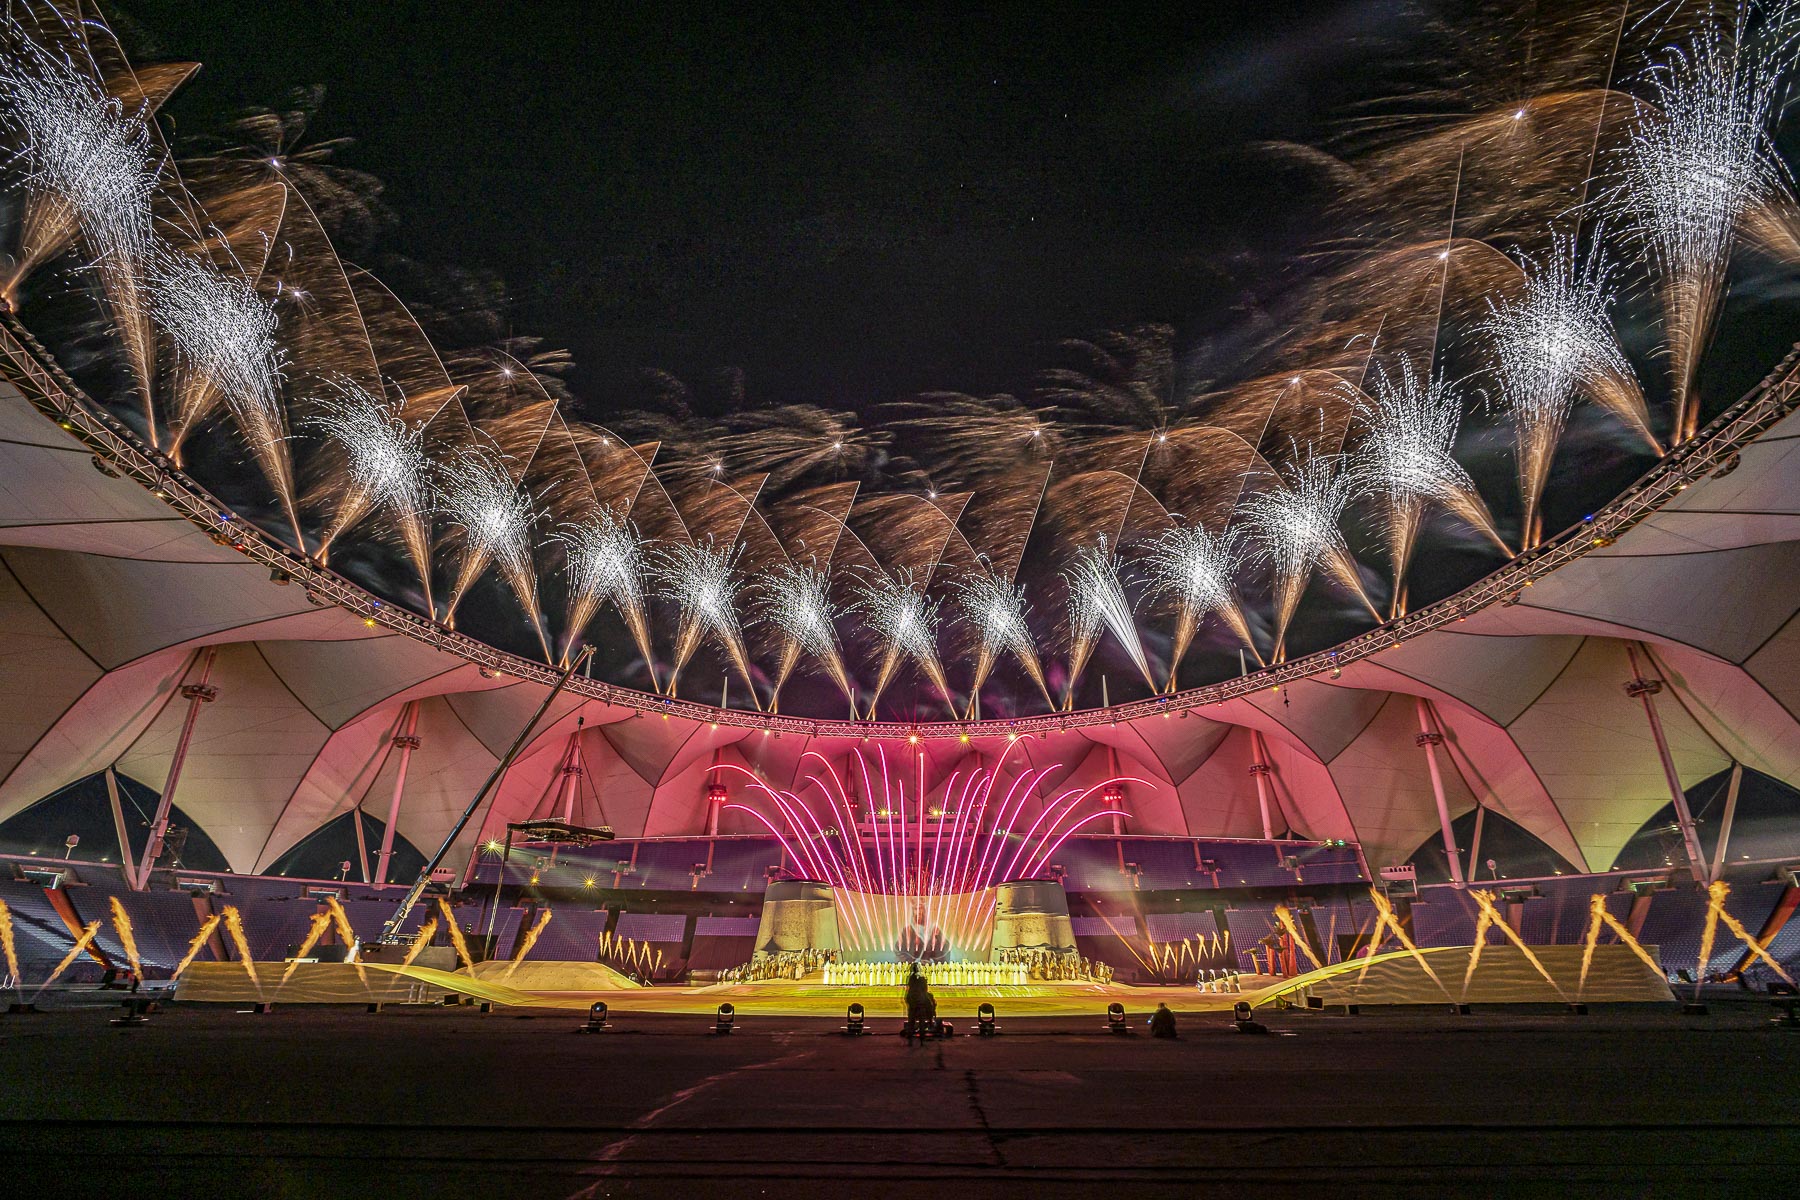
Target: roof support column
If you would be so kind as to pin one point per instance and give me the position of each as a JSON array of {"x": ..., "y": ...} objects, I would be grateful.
[
  {"x": 406, "y": 742},
  {"x": 118, "y": 815},
  {"x": 1430, "y": 739},
  {"x": 1259, "y": 771},
  {"x": 195, "y": 694},
  {"x": 1731, "y": 799},
  {"x": 1646, "y": 690},
  {"x": 572, "y": 772}
]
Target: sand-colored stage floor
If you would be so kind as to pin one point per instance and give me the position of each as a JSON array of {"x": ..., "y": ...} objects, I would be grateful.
[{"x": 1503, "y": 975}]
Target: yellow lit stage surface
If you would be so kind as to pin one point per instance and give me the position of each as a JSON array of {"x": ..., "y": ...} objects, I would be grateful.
[{"x": 1502, "y": 975}]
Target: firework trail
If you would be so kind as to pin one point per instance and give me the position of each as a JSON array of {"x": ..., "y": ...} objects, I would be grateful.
[
  {"x": 234, "y": 928},
  {"x": 9, "y": 945},
  {"x": 387, "y": 469},
  {"x": 88, "y": 166},
  {"x": 796, "y": 601},
  {"x": 527, "y": 942},
  {"x": 321, "y": 921},
  {"x": 1199, "y": 571},
  {"x": 704, "y": 582},
  {"x": 1097, "y": 601},
  {"x": 605, "y": 562},
  {"x": 1404, "y": 458},
  {"x": 1553, "y": 340},
  {"x": 995, "y": 608},
  {"x": 224, "y": 334},
  {"x": 477, "y": 494},
  {"x": 207, "y": 927},
  {"x": 1699, "y": 162},
  {"x": 121, "y": 921},
  {"x": 904, "y": 621},
  {"x": 422, "y": 939},
  {"x": 1294, "y": 527},
  {"x": 456, "y": 933},
  {"x": 88, "y": 933}
]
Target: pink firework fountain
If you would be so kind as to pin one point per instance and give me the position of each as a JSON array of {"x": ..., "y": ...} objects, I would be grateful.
[{"x": 897, "y": 859}]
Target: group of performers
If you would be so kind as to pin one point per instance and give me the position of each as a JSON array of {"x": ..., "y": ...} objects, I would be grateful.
[{"x": 944, "y": 974}]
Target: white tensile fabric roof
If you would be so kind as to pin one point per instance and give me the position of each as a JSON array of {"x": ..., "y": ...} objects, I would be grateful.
[{"x": 108, "y": 599}]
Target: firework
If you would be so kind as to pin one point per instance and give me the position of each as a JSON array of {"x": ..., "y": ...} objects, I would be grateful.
[
  {"x": 1294, "y": 526},
  {"x": 995, "y": 608},
  {"x": 387, "y": 469},
  {"x": 477, "y": 494},
  {"x": 1551, "y": 341},
  {"x": 897, "y": 612},
  {"x": 224, "y": 334},
  {"x": 1404, "y": 458},
  {"x": 704, "y": 582},
  {"x": 605, "y": 557},
  {"x": 796, "y": 602},
  {"x": 1097, "y": 601},
  {"x": 1698, "y": 163},
  {"x": 88, "y": 166},
  {"x": 1198, "y": 570}
]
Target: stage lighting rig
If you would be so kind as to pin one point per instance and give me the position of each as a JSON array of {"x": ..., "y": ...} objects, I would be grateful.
[
  {"x": 596, "y": 1022},
  {"x": 853, "y": 1021},
  {"x": 1115, "y": 1020},
  {"x": 984, "y": 1020},
  {"x": 723, "y": 1024}
]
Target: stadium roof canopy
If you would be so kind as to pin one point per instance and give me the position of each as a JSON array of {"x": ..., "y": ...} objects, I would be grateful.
[{"x": 110, "y": 600}]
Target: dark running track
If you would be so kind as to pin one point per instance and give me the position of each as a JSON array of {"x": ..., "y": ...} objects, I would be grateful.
[{"x": 453, "y": 1105}]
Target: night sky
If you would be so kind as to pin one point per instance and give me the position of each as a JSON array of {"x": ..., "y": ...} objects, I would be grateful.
[{"x": 852, "y": 206}]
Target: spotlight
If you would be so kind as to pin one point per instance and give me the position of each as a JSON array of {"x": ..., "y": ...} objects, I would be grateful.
[
  {"x": 727, "y": 1014},
  {"x": 596, "y": 1022},
  {"x": 1115, "y": 1020},
  {"x": 853, "y": 1021},
  {"x": 984, "y": 1021},
  {"x": 1243, "y": 1022}
]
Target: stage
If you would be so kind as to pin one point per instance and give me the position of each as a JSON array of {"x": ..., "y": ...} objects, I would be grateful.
[{"x": 1503, "y": 975}]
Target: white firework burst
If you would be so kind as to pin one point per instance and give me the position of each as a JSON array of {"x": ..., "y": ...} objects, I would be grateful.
[
  {"x": 703, "y": 580},
  {"x": 225, "y": 338},
  {"x": 900, "y": 615},
  {"x": 1700, "y": 159},
  {"x": 1097, "y": 601},
  {"x": 80, "y": 150},
  {"x": 1294, "y": 527},
  {"x": 995, "y": 607},
  {"x": 1553, "y": 341},
  {"x": 387, "y": 466},
  {"x": 796, "y": 601},
  {"x": 476, "y": 492},
  {"x": 1199, "y": 570},
  {"x": 225, "y": 335},
  {"x": 1409, "y": 428},
  {"x": 605, "y": 560}
]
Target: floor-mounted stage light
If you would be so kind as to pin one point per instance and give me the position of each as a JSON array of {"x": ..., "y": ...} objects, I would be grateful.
[
  {"x": 853, "y": 1021},
  {"x": 984, "y": 1021},
  {"x": 596, "y": 1022},
  {"x": 1115, "y": 1019},
  {"x": 727, "y": 1015}
]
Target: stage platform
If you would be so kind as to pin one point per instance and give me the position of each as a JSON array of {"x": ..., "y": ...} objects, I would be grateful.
[{"x": 1503, "y": 976}]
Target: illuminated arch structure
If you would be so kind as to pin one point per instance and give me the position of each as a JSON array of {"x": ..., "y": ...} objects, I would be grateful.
[{"x": 119, "y": 581}]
